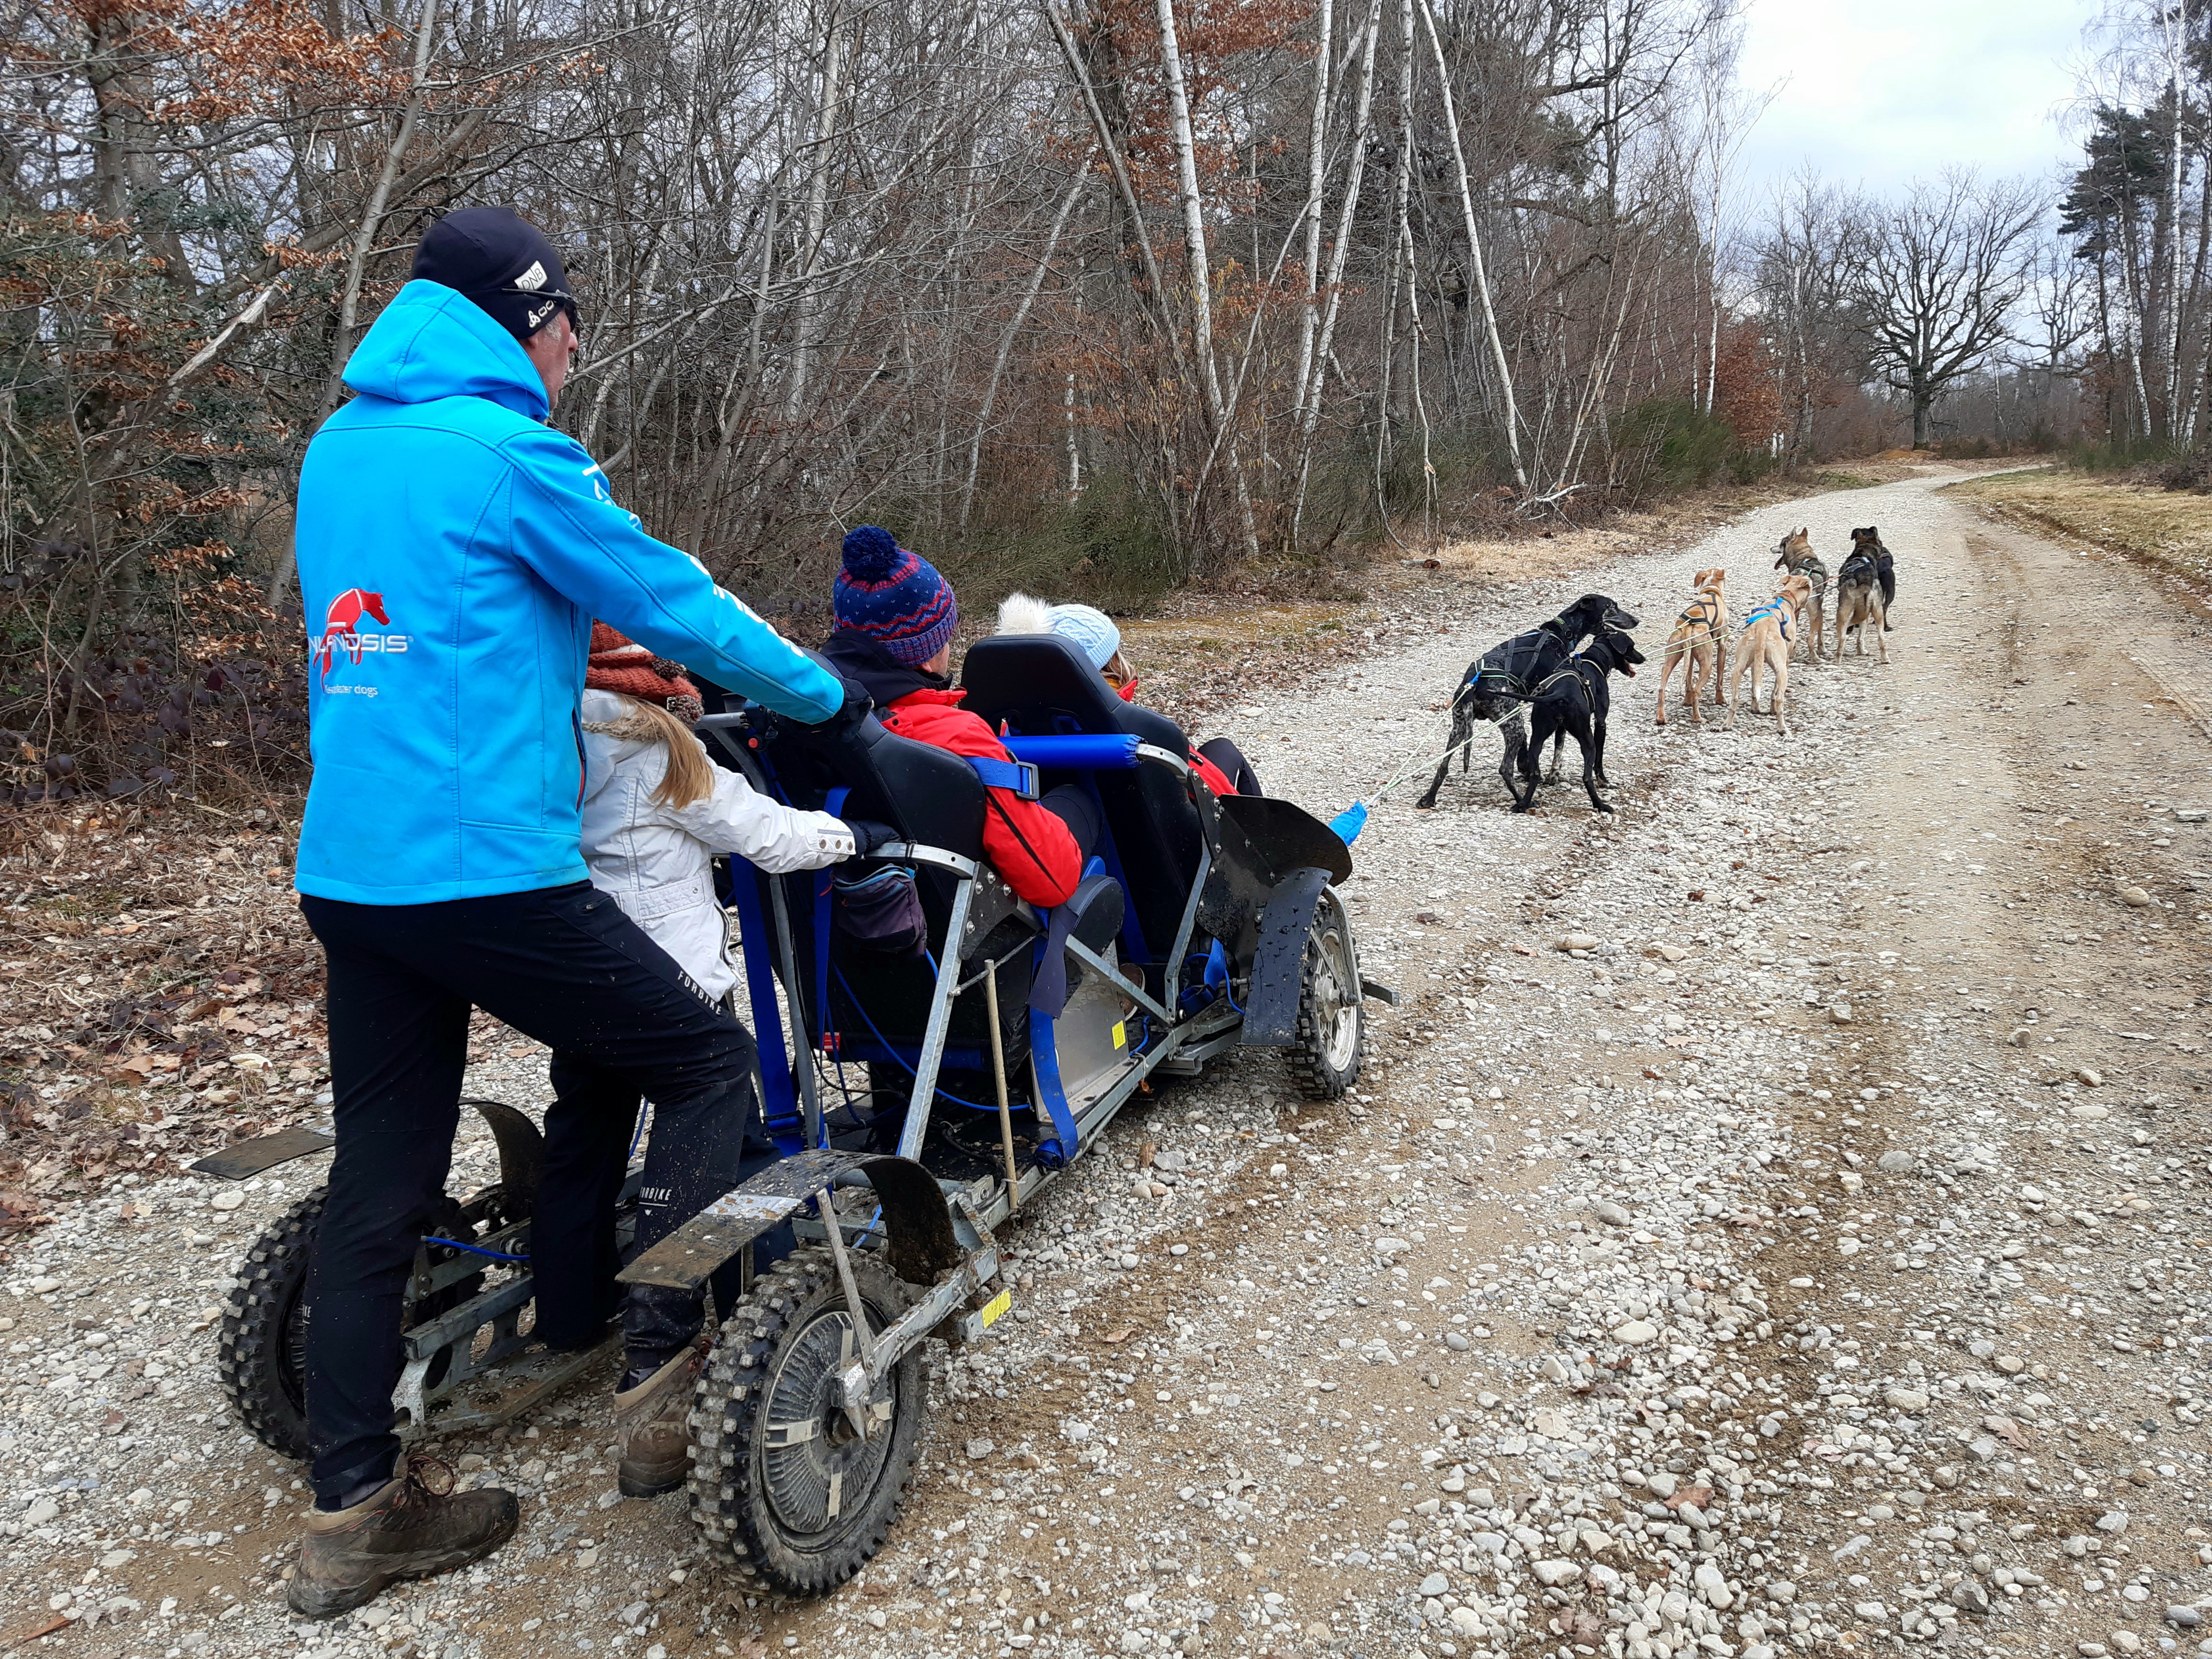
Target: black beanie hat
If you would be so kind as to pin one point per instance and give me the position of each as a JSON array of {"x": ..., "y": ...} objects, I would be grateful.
[{"x": 499, "y": 261}]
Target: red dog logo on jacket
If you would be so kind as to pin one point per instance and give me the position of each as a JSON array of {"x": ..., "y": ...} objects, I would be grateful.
[{"x": 341, "y": 627}]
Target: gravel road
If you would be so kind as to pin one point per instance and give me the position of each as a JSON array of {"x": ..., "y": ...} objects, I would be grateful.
[{"x": 1814, "y": 1263}]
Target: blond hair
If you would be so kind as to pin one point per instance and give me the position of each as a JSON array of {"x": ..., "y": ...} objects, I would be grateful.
[{"x": 689, "y": 776}]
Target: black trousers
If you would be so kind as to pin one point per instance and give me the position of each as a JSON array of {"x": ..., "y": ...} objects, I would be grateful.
[
  {"x": 563, "y": 965},
  {"x": 1234, "y": 766},
  {"x": 573, "y": 1257}
]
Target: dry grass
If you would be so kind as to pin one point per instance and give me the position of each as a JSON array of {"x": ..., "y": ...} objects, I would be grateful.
[{"x": 2169, "y": 528}]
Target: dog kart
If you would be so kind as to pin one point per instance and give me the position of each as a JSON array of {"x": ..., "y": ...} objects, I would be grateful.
[
  {"x": 928, "y": 1094},
  {"x": 919, "y": 1096}
]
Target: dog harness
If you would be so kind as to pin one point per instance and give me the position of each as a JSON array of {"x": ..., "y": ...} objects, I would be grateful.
[
  {"x": 1500, "y": 679},
  {"x": 1809, "y": 567},
  {"x": 1779, "y": 605}
]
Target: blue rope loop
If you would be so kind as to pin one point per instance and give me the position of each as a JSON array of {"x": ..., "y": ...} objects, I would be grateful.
[
  {"x": 473, "y": 1249},
  {"x": 889, "y": 1050}
]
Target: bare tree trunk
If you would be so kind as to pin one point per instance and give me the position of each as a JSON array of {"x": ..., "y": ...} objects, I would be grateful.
[
  {"x": 817, "y": 208},
  {"x": 372, "y": 220},
  {"x": 1157, "y": 300},
  {"x": 1201, "y": 270},
  {"x": 1006, "y": 339},
  {"x": 1504, "y": 371},
  {"x": 1316, "y": 170},
  {"x": 2170, "y": 21},
  {"x": 1354, "y": 169},
  {"x": 730, "y": 421}
]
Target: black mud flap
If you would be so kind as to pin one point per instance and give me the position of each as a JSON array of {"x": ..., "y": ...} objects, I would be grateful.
[
  {"x": 247, "y": 1158},
  {"x": 1278, "y": 961},
  {"x": 919, "y": 1241},
  {"x": 1288, "y": 836},
  {"x": 521, "y": 1154}
]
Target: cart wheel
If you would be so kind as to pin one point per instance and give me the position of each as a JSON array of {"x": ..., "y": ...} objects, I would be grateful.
[
  {"x": 1332, "y": 1032},
  {"x": 779, "y": 1480},
  {"x": 261, "y": 1351}
]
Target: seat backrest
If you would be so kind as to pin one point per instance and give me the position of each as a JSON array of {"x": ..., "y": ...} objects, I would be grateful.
[
  {"x": 1039, "y": 685},
  {"x": 931, "y": 796}
]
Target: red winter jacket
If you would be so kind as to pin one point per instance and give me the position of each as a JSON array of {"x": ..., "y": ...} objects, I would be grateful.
[{"x": 1025, "y": 844}]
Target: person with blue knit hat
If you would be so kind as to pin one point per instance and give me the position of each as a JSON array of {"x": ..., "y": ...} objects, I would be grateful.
[{"x": 894, "y": 640}]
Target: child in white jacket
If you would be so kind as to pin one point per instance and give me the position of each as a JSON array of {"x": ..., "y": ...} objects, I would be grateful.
[{"x": 656, "y": 811}]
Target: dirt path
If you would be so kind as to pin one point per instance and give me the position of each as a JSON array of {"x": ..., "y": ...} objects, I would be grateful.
[{"x": 1769, "y": 1279}]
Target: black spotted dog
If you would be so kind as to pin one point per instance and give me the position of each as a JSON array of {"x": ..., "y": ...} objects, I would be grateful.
[
  {"x": 1496, "y": 686},
  {"x": 1575, "y": 702}
]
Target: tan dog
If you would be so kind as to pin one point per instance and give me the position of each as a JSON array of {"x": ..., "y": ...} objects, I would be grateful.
[
  {"x": 1765, "y": 640},
  {"x": 1795, "y": 556},
  {"x": 1699, "y": 639}
]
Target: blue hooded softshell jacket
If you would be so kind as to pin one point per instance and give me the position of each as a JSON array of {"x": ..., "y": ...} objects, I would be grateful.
[{"x": 453, "y": 550}]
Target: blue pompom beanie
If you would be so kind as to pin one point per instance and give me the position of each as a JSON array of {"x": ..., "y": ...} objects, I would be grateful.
[{"x": 894, "y": 597}]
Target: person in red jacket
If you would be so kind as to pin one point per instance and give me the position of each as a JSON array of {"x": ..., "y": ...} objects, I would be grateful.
[{"x": 894, "y": 638}]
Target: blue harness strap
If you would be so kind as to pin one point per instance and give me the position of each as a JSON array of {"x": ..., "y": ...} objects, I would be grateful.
[
  {"x": 1020, "y": 776},
  {"x": 1779, "y": 604}
]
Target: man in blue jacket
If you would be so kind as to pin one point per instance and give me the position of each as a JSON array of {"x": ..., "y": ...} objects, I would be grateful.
[{"x": 453, "y": 550}]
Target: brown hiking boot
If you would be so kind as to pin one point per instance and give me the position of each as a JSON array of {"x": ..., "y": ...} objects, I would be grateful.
[
  {"x": 408, "y": 1529},
  {"x": 652, "y": 1417}
]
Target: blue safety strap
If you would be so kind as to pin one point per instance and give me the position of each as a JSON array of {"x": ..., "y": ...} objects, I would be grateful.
[
  {"x": 1061, "y": 1147},
  {"x": 780, "y": 1104},
  {"x": 1020, "y": 776}
]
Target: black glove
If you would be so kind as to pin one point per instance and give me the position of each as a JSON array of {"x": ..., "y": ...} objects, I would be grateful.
[
  {"x": 852, "y": 710},
  {"x": 868, "y": 835}
]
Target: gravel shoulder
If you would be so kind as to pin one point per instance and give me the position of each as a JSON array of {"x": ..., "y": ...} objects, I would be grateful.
[{"x": 1815, "y": 1263}]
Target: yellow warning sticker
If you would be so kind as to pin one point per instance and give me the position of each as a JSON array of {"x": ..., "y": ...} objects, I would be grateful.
[
  {"x": 995, "y": 1307},
  {"x": 1120, "y": 1034}
]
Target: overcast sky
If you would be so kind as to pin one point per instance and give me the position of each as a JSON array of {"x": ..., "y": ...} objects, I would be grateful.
[{"x": 1879, "y": 91}]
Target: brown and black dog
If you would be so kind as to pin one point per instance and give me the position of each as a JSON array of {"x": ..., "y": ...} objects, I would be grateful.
[
  {"x": 1864, "y": 588},
  {"x": 1764, "y": 642},
  {"x": 1795, "y": 556},
  {"x": 1700, "y": 640}
]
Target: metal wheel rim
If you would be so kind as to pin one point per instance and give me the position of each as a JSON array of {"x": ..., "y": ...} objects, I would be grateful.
[
  {"x": 291, "y": 1350},
  {"x": 1336, "y": 996},
  {"x": 815, "y": 1474}
]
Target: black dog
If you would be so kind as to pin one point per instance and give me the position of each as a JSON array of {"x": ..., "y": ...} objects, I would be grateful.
[
  {"x": 1497, "y": 684},
  {"x": 1576, "y": 701}
]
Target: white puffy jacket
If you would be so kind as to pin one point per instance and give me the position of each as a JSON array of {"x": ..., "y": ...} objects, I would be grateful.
[{"x": 656, "y": 860}]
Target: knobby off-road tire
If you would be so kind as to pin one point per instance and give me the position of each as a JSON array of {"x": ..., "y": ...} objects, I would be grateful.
[
  {"x": 779, "y": 1482},
  {"x": 261, "y": 1351},
  {"x": 261, "y": 1348},
  {"x": 1331, "y": 1039}
]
